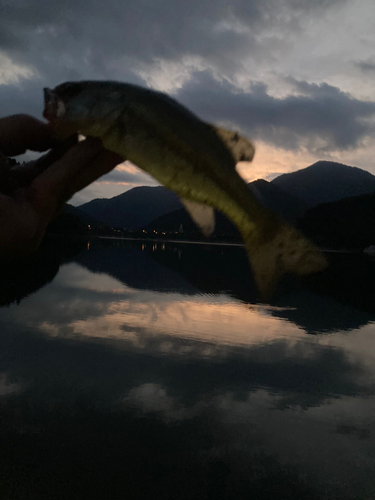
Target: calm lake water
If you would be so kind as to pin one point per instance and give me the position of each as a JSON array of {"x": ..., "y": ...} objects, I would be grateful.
[{"x": 141, "y": 370}]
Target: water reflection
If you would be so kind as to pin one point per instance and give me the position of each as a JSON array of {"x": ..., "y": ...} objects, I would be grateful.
[
  {"x": 139, "y": 370},
  {"x": 342, "y": 298},
  {"x": 20, "y": 279}
]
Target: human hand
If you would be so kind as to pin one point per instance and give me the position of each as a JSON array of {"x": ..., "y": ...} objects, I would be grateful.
[{"x": 33, "y": 194}]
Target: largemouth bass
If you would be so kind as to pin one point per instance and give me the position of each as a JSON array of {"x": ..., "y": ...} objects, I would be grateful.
[{"x": 194, "y": 159}]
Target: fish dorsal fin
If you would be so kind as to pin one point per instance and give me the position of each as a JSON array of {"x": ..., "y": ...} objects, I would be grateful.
[
  {"x": 241, "y": 148},
  {"x": 202, "y": 215}
]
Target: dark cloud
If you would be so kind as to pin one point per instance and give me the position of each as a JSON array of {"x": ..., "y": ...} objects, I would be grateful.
[
  {"x": 319, "y": 117},
  {"x": 92, "y": 36},
  {"x": 25, "y": 97},
  {"x": 366, "y": 66},
  {"x": 71, "y": 40}
]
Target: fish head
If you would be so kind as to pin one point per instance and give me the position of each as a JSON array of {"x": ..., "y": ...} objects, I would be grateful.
[{"x": 83, "y": 107}]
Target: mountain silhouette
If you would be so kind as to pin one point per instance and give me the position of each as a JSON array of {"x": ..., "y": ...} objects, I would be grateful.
[
  {"x": 326, "y": 181},
  {"x": 74, "y": 221},
  {"x": 180, "y": 221},
  {"x": 84, "y": 217},
  {"x": 133, "y": 209},
  {"x": 139, "y": 207},
  {"x": 289, "y": 207},
  {"x": 290, "y": 195},
  {"x": 345, "y": 224}
]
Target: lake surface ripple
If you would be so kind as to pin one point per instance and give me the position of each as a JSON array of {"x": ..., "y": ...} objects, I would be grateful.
[{"x": 133, "y": 370}]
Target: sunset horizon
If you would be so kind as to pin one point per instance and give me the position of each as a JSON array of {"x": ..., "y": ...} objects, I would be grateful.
[{"x": 294, "y": 77}]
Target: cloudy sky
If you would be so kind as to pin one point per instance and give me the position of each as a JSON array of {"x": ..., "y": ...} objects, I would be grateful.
[{"x": 296, "y": 76}]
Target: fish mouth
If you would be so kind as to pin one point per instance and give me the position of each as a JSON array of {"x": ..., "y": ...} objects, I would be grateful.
[{"x": 54, "y": 107}]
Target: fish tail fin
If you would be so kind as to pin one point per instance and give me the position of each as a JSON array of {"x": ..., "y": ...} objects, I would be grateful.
[{"x": 287, "y": 252}]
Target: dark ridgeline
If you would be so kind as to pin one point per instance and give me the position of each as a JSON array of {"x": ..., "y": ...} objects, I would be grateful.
[
  {"x": 289, "y": 194},
  {"x": 289, "y": 207},
  {"x": 347, "y": 287},
  {"x": 133, "y": 209},
  {"x": 75, "y": 434},
  {"x": 182, "y": 227},
  {"x": 346, "y": 224},
  {"x": 86, "y": 219},
  {"x": 68, "y": 223},
  {"x": 194, "y": 269},
  {"x": 139, "y": 207},
  {"x": 75, "y": 221},
  {"x": 296, "y": 196},
  {"x": 326, "y": 181}
]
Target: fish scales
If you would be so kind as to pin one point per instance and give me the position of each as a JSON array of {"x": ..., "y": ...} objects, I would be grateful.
[
  {"x": 194, "y": 159},
  {"x": 179, "y": 158}
]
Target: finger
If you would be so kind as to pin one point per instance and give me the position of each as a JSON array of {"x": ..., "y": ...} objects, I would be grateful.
[
  {"x": 21, "y": 132},
  {"x": 25, "y": 174},
  {"x": 50, "y": 190},
  {"x": 5, "y": 178},
  {"x": 104, "y": 162}
]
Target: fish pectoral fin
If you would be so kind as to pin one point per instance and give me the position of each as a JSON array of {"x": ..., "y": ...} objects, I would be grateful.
[
  {"x": 202, "y": 215},
  {"x": 241, "y": 148}
]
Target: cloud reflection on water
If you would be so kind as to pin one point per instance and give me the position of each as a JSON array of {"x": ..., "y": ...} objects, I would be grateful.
[
  {"x": 244, "y": 345},
  {"x": 233, "y": 382},
  {"x": 7, "y": 388}
]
